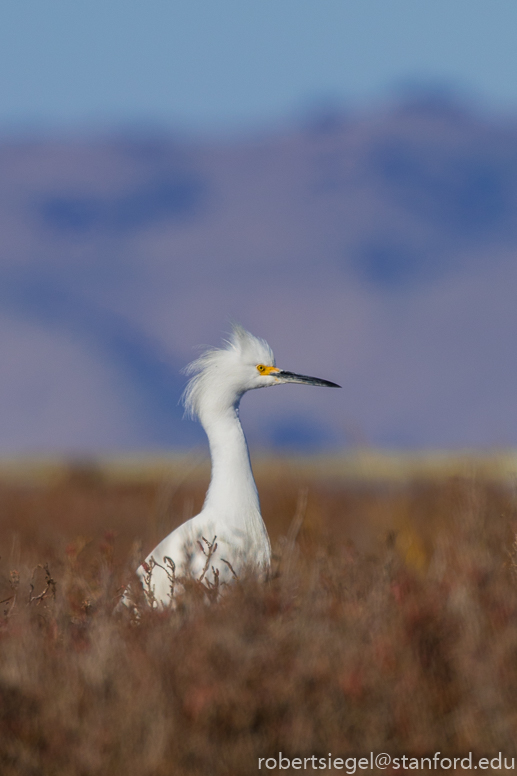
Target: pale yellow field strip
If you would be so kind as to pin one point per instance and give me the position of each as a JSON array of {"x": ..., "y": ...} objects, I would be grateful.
[{"x": 363, "y": 466}]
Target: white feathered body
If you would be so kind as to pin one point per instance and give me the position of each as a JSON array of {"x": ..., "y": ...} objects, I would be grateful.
[
  {"x": 231, "y": 515},
  {"x": 231, "y": 511}
]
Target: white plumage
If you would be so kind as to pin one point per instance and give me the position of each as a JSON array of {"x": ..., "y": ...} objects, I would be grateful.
[{"x": 231, "y": 511}]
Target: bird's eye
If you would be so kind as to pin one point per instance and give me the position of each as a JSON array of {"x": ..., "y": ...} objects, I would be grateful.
[{"x": 261, "y": 368}]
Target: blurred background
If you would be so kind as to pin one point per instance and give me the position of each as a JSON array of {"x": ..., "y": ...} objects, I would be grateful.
[{"x": 340, "y": 177}]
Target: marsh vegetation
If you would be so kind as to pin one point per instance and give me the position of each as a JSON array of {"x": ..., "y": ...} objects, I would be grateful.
[{"x": 389, "y": 624}]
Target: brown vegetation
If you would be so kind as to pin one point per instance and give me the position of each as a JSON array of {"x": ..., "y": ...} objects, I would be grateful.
[{"x": 389, "y": 625}]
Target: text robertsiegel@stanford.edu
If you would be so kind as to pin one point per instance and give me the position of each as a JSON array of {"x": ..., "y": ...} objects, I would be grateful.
[{"x": 350, "y": 765}]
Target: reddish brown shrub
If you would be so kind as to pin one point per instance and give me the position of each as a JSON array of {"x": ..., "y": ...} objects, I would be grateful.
[{"x": 400, "y": 637}]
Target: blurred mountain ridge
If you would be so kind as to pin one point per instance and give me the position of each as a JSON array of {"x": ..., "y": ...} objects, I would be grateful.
[{"x": 378, "y": 248}]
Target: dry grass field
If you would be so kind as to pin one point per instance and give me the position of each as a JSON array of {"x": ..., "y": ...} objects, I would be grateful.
[{"x": 389, "y": 623}]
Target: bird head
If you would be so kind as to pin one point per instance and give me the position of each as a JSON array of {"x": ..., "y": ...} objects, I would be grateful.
[{"x": 220, "y": 376}]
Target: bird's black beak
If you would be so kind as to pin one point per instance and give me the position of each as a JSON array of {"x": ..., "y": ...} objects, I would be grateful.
[{"x": 291, "y": 377}]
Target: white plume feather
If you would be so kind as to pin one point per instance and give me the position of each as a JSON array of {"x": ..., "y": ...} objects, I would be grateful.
[{"x": 241, "y": 349}]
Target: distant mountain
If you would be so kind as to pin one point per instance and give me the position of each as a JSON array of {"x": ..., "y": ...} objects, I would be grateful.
[{"x": 377, "y": 250}]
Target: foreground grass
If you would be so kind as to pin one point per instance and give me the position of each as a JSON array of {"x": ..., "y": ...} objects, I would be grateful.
[{"x": 388, "y": 625}]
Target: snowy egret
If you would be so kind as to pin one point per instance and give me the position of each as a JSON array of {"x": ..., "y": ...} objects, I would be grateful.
[{"x": 231, "y": 512}]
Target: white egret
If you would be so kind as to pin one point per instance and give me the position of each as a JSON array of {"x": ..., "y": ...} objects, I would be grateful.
[{"x": 231, "y": 511}]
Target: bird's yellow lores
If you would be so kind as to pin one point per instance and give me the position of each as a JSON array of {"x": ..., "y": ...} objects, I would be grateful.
[
  {"x": 231, "y": 511},
  {"x": 267, "y": 370}
]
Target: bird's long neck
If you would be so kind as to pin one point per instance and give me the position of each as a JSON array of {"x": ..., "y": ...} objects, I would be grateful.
[{"x": 232, "y": 492}]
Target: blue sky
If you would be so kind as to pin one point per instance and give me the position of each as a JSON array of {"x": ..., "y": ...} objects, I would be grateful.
[{"x": 213, "y": 65}]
